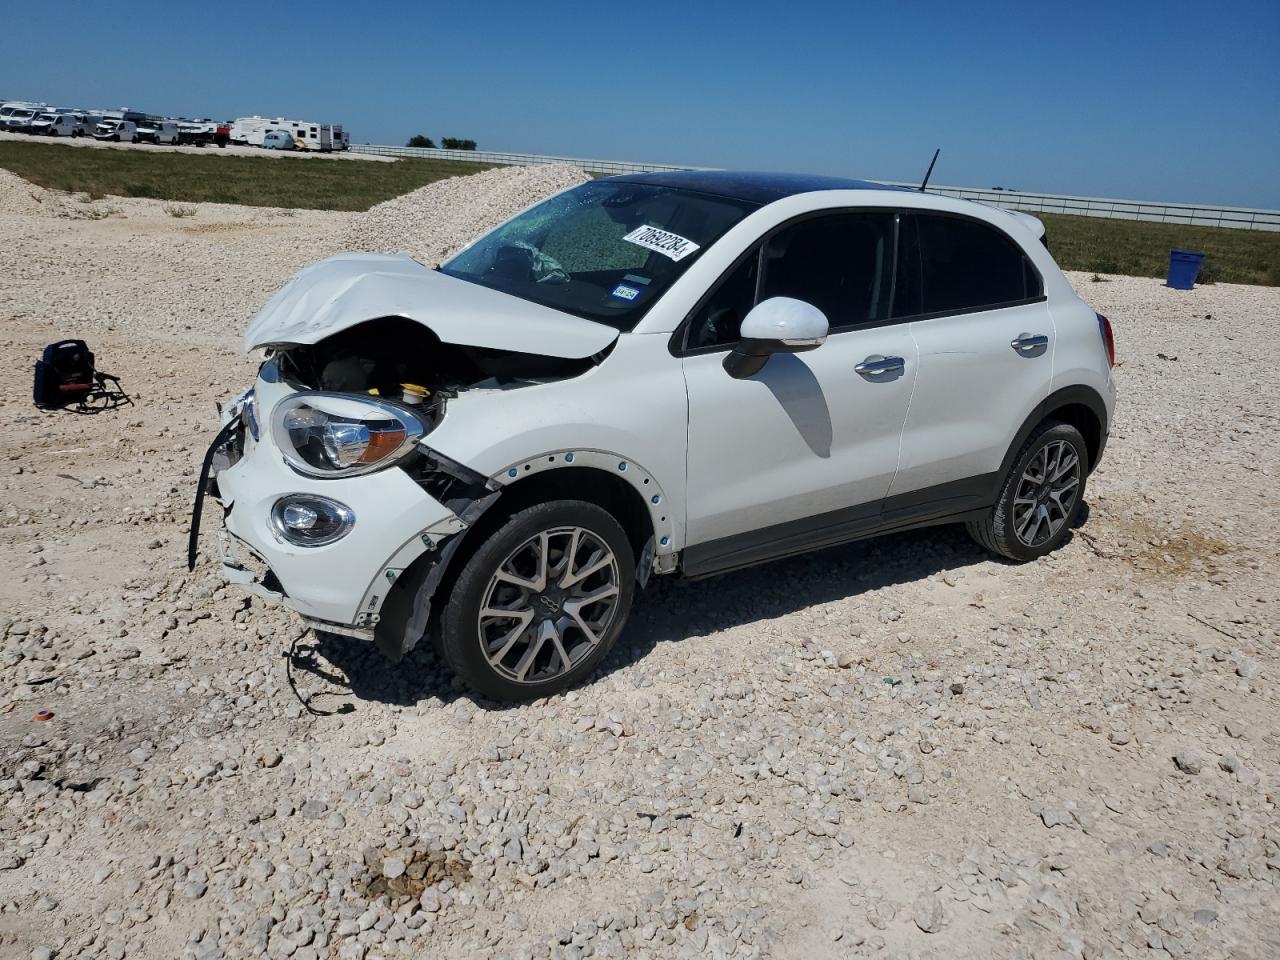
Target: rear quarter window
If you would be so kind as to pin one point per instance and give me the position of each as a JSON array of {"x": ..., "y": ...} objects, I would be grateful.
[{"x": 969, "y": 265}]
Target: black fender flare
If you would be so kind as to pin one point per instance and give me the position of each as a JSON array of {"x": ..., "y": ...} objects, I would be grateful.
[{"x": 1075, "y": 394}]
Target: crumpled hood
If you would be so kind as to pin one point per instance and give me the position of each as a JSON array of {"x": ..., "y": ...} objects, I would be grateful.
[{"x": 342, "y": 291}]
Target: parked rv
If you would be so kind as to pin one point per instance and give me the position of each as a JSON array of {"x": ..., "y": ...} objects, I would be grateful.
[
  {"x": 133, "y": 116},
  {"x": 306, "y": 135},
  {"x": 277, "y": 140},
  {"x": 249, "y": 131}
]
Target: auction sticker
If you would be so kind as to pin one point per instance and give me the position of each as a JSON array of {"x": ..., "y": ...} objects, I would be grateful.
[{"x": 668, "y": 244}]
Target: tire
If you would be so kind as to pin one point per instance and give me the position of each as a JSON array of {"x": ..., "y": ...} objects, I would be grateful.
[
  {"x": 556, "y": 633},
  {"x": 1032, "y": 517}
]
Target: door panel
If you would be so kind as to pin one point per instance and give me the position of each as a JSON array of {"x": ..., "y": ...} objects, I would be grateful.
[
  {"x": 984, "y": 363},
  {"x": 973, "y": 391},
  {"x": 804, "y": 436}
]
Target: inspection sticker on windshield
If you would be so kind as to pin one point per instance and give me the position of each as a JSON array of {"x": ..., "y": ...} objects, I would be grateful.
[
  {"x": 668, "y": 244},
  {"x": 623, "y": 292}
]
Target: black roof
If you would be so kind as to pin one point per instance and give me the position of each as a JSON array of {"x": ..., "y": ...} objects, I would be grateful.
[{"x": 749, "y": 185}]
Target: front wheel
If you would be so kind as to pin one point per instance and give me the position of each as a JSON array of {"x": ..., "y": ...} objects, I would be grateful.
[
  {"x": 1040, "y": 497},
  {"x": 540, "y": 602}
]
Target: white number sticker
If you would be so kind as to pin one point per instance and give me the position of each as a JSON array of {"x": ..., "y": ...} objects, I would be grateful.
[{"x": 668, "y": 244}]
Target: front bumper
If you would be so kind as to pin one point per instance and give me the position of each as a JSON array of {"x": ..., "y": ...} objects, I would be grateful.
[{"x": 339, "y": 587}]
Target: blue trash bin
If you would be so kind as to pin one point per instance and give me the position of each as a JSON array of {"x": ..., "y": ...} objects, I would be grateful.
[{"x": 1184, "y": 267}]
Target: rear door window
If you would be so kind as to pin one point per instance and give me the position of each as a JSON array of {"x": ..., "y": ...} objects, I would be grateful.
[{"x": 963, "y": 265}]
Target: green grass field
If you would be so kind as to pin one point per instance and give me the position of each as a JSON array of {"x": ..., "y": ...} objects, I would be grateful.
[
  {"x": 1140, "y": 249},
  {"x": 314, "y": 183},
  {"x": 1079, "y": 243}
]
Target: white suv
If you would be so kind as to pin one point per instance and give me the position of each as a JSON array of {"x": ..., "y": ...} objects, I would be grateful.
[{"x": 651, "y": 374}]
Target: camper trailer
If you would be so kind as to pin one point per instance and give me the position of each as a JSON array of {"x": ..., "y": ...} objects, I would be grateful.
[{"x": 306, "y": 135}]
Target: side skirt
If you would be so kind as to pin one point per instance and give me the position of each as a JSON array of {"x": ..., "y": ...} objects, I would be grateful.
[{"x": 953, "y": 502}]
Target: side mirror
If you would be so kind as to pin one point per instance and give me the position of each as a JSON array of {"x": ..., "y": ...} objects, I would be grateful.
[{"x": 776, "y": 325}]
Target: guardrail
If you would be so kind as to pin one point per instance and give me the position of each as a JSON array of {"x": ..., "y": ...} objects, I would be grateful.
[
  {"x": 1238, "y": 218},
  {"x": 519, "y": 159},
  {"x": 1204, "y": 215}
]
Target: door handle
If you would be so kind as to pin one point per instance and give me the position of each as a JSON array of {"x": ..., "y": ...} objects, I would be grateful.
[
  {"x": 1026, "y": 342},
  {"x": 876, "y": 366}
]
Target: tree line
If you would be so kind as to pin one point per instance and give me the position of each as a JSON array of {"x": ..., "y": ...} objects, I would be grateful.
[{"x": 446, "y": 143}]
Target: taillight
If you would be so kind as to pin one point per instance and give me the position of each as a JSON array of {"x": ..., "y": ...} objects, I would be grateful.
[{"x": 1108, "y": 339}]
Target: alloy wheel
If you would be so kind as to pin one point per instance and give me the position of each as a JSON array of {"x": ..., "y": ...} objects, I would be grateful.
[
  {"x": 1047, "y": 491},
  {"x": 549, "y": 604}
]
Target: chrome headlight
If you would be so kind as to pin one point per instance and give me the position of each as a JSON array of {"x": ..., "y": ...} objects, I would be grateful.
[
  {"x": 249, "y": 414},
  {"x": 337, "y": 434}
]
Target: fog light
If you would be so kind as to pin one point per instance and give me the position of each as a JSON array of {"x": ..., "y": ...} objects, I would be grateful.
[
  {"x": 296, "y": 516},
  {"x": 307, "y": 520}
]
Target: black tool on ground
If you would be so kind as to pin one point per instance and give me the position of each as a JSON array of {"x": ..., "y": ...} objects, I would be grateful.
[
  {"x": 66, "y": 379},
  {"x": 307, "y": 660}
]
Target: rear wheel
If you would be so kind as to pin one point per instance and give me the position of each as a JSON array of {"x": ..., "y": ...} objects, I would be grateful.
[
  {"x": 1040, "y": 497},
  {"x": 540, "y": 602}
]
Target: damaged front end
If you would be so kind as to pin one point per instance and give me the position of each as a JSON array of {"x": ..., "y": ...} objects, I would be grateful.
[{"x": 333, "y": 501}]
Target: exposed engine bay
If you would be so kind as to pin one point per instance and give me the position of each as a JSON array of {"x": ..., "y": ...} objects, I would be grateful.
[{"x": 403, "y": 360}]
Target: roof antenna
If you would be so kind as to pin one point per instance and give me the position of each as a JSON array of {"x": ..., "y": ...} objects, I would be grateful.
[{"x": 929, "y": 173}]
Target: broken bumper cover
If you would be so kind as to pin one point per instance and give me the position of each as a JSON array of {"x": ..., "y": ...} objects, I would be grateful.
[{"x": 341, "y": 586}]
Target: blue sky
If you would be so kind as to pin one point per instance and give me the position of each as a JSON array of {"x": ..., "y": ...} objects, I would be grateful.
[{"x": 1164, "y": 101}]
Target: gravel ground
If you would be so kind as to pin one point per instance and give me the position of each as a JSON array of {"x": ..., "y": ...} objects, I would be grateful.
[
  {"x": 899, "y": 748},
  {"x": 437, "y": 220},
  {"x": 228, "y": 151}
]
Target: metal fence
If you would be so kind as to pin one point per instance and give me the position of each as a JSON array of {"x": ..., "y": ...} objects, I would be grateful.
[
  {"x": 1204, "y": 215},
  {"x": 520, "y": 159},
  {"x": 1198, "y": 214}
]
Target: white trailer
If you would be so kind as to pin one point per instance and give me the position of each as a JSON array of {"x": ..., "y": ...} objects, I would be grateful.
[{"x": 306, "y": 135}]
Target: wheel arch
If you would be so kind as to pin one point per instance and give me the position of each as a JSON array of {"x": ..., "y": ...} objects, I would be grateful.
[
  {"x": 1080, "y": 406},
  {"x": 576, "y": 475},
  {"x": 594, "y": 484}
]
